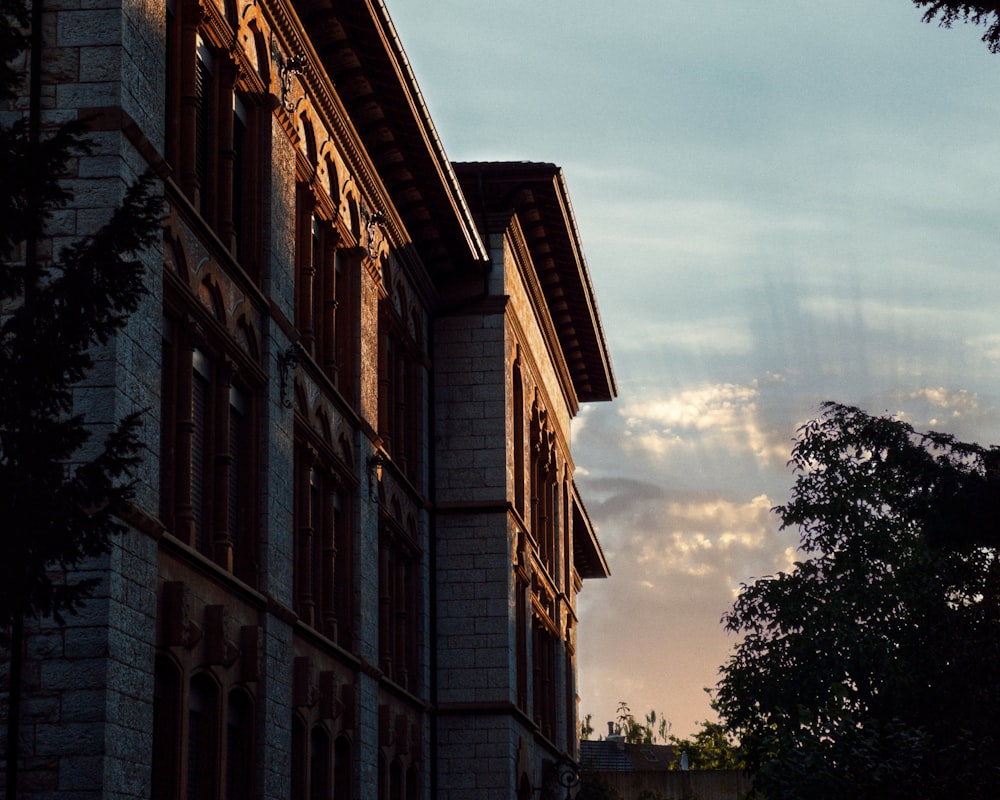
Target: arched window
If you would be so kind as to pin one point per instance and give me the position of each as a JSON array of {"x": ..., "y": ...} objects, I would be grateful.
[
  {"x": 395, "y": 780},
  {"x": 166, "y": 730},
  {"x": 412, "y": 783},
  {"x": 203, "y": 739},
  {"x": 308, "y": 138},
  {"x": 319, "y": 764},
  {"x": 517, "y": 423},
  {"x": 342, "y": 768},
  {"x": 239, "y": 746}
]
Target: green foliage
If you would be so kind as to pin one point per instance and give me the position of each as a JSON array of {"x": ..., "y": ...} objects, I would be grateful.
[
  {"x": 712, "y": 747},
  {"x": 872, "y": 668},
  {"x": 58, "y": 497},
  {"x": 948, "y": 12},
  {"x": 654, "y": 729}
]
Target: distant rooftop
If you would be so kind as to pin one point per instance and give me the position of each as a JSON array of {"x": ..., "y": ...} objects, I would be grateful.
[{"x": 609, "y": 755}]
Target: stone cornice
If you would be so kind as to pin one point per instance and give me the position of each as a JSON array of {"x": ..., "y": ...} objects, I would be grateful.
[{"x": 529, "y": 276}]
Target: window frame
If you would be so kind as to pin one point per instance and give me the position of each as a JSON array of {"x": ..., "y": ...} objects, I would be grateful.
[{"x": 205, "y": 515}]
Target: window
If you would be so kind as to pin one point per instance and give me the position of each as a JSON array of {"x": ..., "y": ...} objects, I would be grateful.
[
  {"x": 517, "y": 423},
  {"x": 306, "y": 235},
  {"x": 569, "y": 682},
  {"x": 521, "y": 601},
  {"x": 239, "y": 747},
  {"x": 395, "y": 780},
  {"x": 319, "y": 765},
  {"x": 342, "y": 768},
  {"x": 205, "y": 89},
  {"x": 544, "y": 492},
  {"x": 166, "y": 730},
  {"x": 202, "y": 741},
  {"x": 401, "y": 390},
  {"x": 324, "y": 542},
  {"x": 544, "y": 664},
  {"x": 399, "y": 604},
  {"x": 312, "y": 757},
  {"x": 214, "y": 759},
  {"x": 346, "y": 303},
  {"x": 325, "y": 295},
  {"x": 213, "y": 130},
  {"x": 207, "y": 454}
]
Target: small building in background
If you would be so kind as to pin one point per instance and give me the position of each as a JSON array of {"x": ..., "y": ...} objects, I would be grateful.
[{"x": 610, "y": 769}]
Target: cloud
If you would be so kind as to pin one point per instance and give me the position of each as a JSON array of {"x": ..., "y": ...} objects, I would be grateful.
[
  {"x": 701, "y": 536},
  {"x": 652, "y": 633},
  {"x": 964, "y": 413},
  {"x": 954, "y": 402},
  {"x": 722, "y": 416}
]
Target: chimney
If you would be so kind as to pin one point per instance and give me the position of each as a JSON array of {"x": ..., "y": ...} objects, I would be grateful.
[{"x": 617, "y": 738}]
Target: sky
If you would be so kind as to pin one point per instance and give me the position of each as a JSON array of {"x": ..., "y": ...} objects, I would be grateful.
[{"x": 781, "y": 202}]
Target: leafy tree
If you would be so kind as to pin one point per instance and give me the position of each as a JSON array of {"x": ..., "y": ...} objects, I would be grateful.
[
  {"x": 711, "y": 747},
  {"x": 655, "y": 728},
  {"x": 948, "y": 12},
  {"x": 59, "y": 495},
  {"x": 872, "y": 668}
]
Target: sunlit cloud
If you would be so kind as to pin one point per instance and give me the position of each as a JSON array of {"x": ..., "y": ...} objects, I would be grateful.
[
  {"x": 954, "y": 402},
  {"x": 963, "y": 413},
  {"x": 661, "y": 536},
  {"x": 723, "y": 416}
]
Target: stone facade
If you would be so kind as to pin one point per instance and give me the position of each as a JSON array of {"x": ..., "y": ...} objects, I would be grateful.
[{"x": 353, "y": 563}]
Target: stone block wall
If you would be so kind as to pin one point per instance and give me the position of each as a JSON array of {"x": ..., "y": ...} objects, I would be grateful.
[{"x": 471, "y": 401}]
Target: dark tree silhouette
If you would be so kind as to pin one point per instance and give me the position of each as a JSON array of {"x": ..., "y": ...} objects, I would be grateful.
[
  {"x": 60, "y": 495},
  {"x": 872, "y": 668},
  {"x": 947, "y": 13}
]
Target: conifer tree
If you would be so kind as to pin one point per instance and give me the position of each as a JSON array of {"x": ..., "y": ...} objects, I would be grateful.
[{"x": 60, "y": 494}]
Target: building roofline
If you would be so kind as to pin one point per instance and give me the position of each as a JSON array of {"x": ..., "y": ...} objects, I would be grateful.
[
  {"x": 364, "y": 59},
  {"x": 537, "y": 194},
  {"x": 587, "y": 552}
]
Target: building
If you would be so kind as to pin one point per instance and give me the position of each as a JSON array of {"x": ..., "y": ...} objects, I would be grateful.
[
  {"x": 353, "y": 563},
  {"x": 611, "y": 769}
]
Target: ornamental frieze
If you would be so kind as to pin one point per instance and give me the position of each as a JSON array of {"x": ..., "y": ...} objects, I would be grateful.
[{"x": 187, "y": 257}]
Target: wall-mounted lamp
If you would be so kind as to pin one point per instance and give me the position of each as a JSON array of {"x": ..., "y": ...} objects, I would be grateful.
[
  {"x": 287, "y": 360},
  {"x": 376, "y": 465}
]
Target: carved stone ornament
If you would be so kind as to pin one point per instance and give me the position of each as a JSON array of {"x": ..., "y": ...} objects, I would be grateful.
[{"x": 179, "y": 629}]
